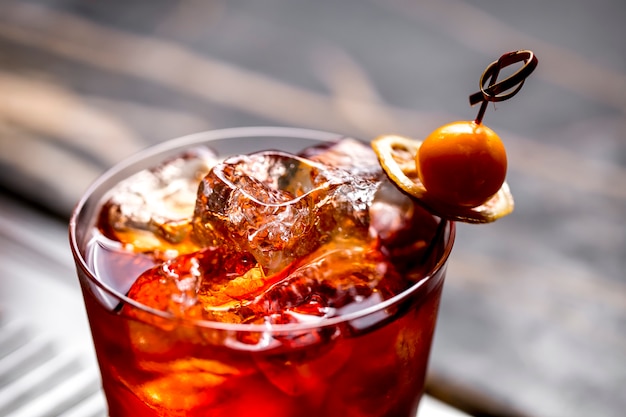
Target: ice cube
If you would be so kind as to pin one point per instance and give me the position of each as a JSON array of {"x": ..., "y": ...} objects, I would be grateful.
[
  {"x": 152, "y": 209},
  {"x": 349, "y": 154},
  {"x": 337, "y": 278},
  {"x": 397, "y": 219},
  {"x": 203, "y": 285},
  {"x": 404, "y": 227},
  {"x": 279, "y": 207}
]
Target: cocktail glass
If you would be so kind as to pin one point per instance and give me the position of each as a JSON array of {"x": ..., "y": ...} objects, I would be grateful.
[{"x": 369, "y": 362}]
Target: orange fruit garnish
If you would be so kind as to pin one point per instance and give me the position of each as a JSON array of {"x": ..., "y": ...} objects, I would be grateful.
[
  {"x": 462, "y": 163},
  {"x": 397, "y": 156}
]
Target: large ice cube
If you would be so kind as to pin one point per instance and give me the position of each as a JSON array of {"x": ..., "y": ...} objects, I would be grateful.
[
  {"x": 279, "y": 207},
  {"x": 402, "y": 225},
  {"x": 206, "y": 285},
  {"x": 349, "y": 154},
  {"x": 335, "y": 279},
  {"x": 152, "y": 209}
]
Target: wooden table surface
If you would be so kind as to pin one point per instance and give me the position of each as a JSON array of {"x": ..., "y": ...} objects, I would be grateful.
[{"x": 533, "y": 320}]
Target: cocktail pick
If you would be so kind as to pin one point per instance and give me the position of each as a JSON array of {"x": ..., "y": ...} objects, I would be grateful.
[{"x": 493, "y": 91}]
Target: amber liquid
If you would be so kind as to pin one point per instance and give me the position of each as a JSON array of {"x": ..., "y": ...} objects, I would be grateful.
[{"x": 371, "y": 366}]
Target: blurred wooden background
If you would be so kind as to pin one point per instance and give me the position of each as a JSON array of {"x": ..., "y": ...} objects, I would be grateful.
[{"x": 534, "y": 314}]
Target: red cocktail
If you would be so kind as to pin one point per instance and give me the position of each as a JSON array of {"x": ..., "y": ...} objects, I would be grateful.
[{"x": 292, "y": 282}]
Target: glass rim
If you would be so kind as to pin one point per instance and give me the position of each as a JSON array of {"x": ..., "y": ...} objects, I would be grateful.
[{"x": 233, "y": 133}]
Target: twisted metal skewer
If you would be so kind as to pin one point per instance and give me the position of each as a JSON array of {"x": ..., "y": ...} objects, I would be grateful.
[{"x": 499, "y": 91}]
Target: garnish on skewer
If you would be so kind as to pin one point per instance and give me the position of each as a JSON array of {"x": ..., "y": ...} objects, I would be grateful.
[{"x": 458, "y": 172}]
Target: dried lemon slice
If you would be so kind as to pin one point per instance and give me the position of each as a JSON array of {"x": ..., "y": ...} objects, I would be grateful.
[{"x": 396, "y": 155}]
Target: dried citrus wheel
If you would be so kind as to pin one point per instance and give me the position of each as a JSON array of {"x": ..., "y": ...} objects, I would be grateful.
[{"x": 396, "y": 155}]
